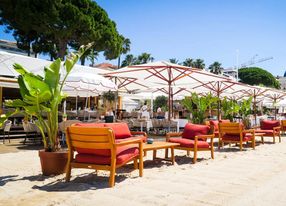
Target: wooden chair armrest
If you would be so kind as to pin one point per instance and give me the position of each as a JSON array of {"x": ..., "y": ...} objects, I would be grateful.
[
  {"x": 207, "y": 136},
  {"x": 130, "y": 141},
  {"x": 249, "y": 130},
  {"x": 139, "y": 133},
  {"x": 277, "y": 128},
  {"x": 173, "y": 134},
  {"x": 255, "y": 127}
]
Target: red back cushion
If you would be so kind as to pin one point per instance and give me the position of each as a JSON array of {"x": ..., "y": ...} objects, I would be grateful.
[
  {"x": 90, "y": 124},
  {"x": 121, "y": 130},
  {"x": 214, "y": 123},
  {"x": 269, "y": 124},
  {"x": 192, "y": 130}
]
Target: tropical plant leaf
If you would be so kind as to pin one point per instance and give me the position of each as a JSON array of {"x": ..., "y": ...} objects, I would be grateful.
[
  {"x": 15, "y": 103},
  {"x": 37, "y": 88},
  {"x": 52, "y": 74},
  {"x": 4, "y": 117}
]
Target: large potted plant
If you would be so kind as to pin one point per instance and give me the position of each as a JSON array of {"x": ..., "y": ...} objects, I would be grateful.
[
  {"x": 198, "y": 106},
  {"x": 43, "y": 94}
]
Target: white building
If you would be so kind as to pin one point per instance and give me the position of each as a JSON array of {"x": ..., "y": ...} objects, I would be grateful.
[{"x": 11, "y": 47}]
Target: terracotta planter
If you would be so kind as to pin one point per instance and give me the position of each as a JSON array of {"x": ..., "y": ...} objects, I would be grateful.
[{"x": 53, "y": 163}]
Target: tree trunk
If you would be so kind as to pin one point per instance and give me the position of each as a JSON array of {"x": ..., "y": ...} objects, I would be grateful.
[
  {"x": 82, "y": 60},
  {"x": 118, "y": 65},
  {"x": 62, "y": 48}
]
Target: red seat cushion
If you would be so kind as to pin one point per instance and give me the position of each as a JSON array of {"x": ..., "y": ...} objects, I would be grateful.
[
  {"x": 236, "y": 137},
  {"x": 189, "y": 143},
  {"x": 268, "y": 132},
  {"x": 214, "y": 123},
  {"x": 269, "y": 124},
  {"x": 121, "y": 157},
  {"x": 102, "y": 152},
  {"x": 121, "y": 130},
  {"x": 192, "y": 130}
]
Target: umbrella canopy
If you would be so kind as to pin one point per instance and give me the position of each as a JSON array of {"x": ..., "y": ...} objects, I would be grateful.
[
  {"x": 166, "y": 76},
  {"x": 87, "y": 84}
]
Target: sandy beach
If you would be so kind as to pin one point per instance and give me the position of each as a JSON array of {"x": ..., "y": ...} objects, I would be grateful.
[{"x": 250, "y": 177}]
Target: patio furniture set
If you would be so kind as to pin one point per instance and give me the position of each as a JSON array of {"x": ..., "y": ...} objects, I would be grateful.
[{"x": 107, "y": 146}]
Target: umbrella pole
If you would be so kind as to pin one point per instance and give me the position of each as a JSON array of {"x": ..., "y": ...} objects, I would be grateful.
[
  {"x": 254, "y": 109},
  {"x": 76, "y": 106},
  {"x": 169, "y": 103}
]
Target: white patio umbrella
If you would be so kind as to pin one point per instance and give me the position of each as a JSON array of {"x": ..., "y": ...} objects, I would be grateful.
[
  {"x": 166, "y": 75},
  {"x": 86, "y": 84}
]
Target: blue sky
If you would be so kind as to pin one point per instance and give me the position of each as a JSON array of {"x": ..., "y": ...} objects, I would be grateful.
[{"x": 209, "y": 29}]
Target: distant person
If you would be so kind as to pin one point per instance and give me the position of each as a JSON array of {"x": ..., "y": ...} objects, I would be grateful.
[
  {"x": 159, "y": 110},
  {"x": 160, "y": 114},
  {"x": 144, "y": 108}
]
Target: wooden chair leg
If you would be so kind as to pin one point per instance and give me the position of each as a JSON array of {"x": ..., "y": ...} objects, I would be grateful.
[
  {"x": 112, "y": 175},
  {"x": 188, "y": 153},
  {"x": 68, "y": 172},
  {"x": 279, "y": 138},
  {"x": 212, "y": 152},
  {"x": 262, "y": 139},
  {"x": 141, "y": 165},
  {"x": 166, "y": 153},
  {"x": 240, "y": 146},
  {"x": 253, "y": 143},
  {"x": 10, "y": 142},
  {"x": 195, "y": 157},
  {"x": 273, "y": 139},
  {"x": 135, "y": 163}
]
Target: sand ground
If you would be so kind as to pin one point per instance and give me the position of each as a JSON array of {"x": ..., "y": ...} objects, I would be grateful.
[{"x": 250, "y": 177}]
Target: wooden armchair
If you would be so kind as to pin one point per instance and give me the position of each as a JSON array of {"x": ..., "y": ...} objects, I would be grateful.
[
  {"x": 270, "y": 128},
  {"x": 193, "y": 138},
  {"x": 97, "y": 149},
  {"x": 235, "y": 133},
  {"x": 283, "y": 126}
]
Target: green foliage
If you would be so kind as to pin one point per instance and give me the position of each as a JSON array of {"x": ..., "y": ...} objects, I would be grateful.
[
  {"x": 141, "y": 59},
  {"x": 198, "y": 106},
  {"x": 188, "y": 62},
  {"x": 256, "y": 76},
  {"x": 109, "y": 96},
  {"x": 245, "y": 107},
  {"x": 160, "y": 101},
  {"x": 216, "y": 68},
  {"x": 174, "y": 60},
  {"x": 43, "y": 95},
  {"x": 199, "y": 64},
  {"x": 229, "y": 108},
  {"x": 60, "y": 24}
]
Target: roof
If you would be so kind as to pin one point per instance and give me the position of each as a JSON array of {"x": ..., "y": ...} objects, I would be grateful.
[{"x": 106, "y": 65}]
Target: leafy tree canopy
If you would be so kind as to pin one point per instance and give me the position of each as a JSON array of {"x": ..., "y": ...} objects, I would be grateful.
[
  {"x": 160, "y": 101},
  {"x": 62, "y": 23},
  {"x": 257, "y": 76}
]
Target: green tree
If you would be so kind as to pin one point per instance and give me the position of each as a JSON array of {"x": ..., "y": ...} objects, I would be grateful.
[
  {"x": 129, "y": 60},
  {"x": 257, "y": 76},
  {"x": 124, "y": 49},
  {"x": 199, "y": 64},
  {"x": 216, "y": 68},
  {"x": 160, "y": 101},
  {"x": 144, "y": 58},
  {"x": 189, "y": 62},
  {"x": 65, "y": 23},
  {"x": 174, "y": 60}
]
